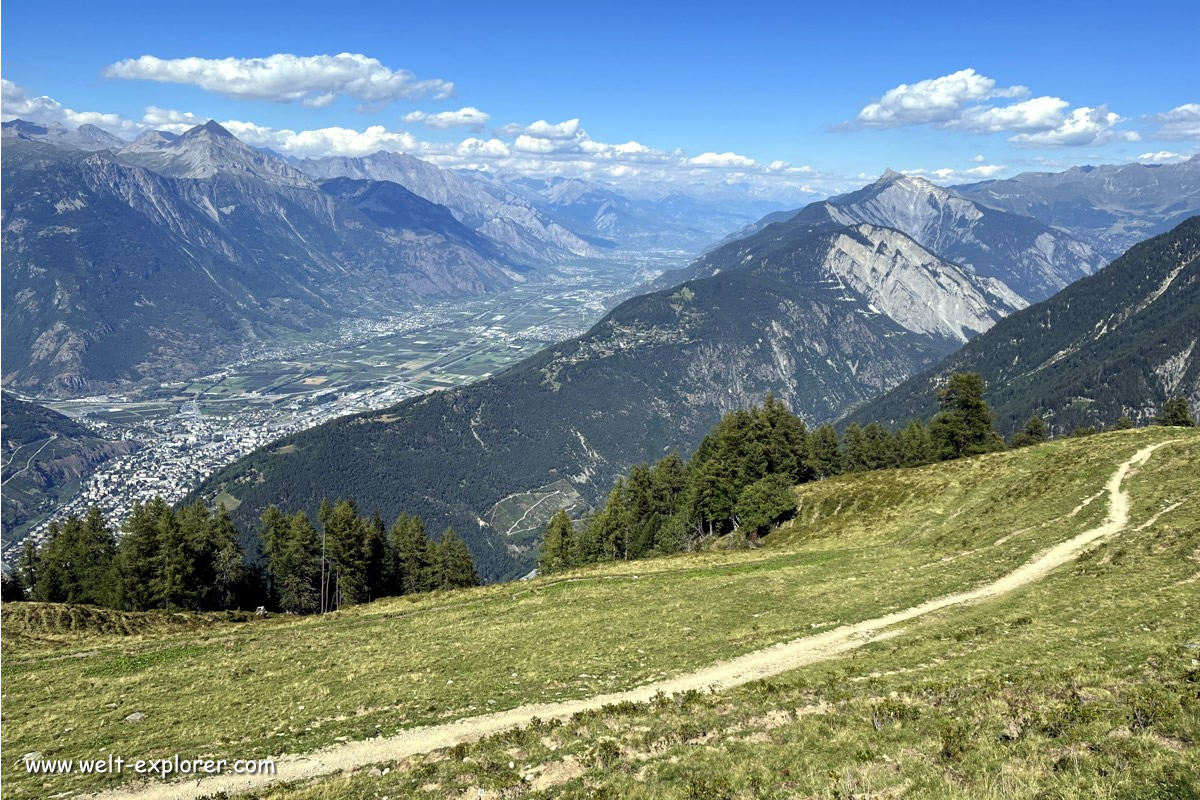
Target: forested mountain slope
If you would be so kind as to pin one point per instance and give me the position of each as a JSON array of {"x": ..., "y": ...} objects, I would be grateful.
[
  {"x": 826, "y": 321},
  {"x": 1117, "y": 343}
]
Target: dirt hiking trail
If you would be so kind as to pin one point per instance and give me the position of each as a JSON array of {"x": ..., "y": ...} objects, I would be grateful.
[{"x": 726, "y": 674}]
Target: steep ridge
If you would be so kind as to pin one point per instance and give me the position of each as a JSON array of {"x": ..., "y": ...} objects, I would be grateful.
[
  {"x": 1117, "y": 343},
  {"x": 847, "y": 314},
  {"x": 1030, "y": 258}
]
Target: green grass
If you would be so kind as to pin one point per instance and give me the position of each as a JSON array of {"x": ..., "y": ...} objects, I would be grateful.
[{"x": 859, "y": 547}]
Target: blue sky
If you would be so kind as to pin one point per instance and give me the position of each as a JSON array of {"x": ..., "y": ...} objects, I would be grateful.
[{"x": 785, "y": 98}]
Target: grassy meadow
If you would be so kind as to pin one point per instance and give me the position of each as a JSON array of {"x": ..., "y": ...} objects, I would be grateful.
[{"x": 1083, "y": 685}]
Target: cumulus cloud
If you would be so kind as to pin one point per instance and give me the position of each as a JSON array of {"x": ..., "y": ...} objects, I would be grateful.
[
  {"x": 950, "y": 174},
  {"x": 1181, "y": 122},
  {"x": 567, "y": 129},
  {"x": 960, "y": 101},
  {"x": 283, "y": 77},
  {"x": 15, "y": 103},
  {"x": 1082, "y": 127},
  {"x": 468, "y": 117},
  {"x": 723, "y": 160},
  {"x": 932, "y": 100},
  {"x": 1163, "y": 157}
]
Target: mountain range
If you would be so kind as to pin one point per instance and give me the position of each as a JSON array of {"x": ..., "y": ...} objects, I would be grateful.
[
  {"x": 172, "y": 254},
  {"x": 1111, "y": 207},
  {"x": 1031, "y": 258}
]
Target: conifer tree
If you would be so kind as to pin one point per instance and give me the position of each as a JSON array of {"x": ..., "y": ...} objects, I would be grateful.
[
  {"x": 1123, "y": 423},
  {"x": 27, "y": 568},
  {"x": 453, "y": 567},
  {"x": 557, "y": 544},
  {"x": 913, "y": 445},
  {"x": 228, "y": 562},
  {"x": 138, "y": 556},
  {"x": 963, "y": 427},
  {"x": 824, "y": 454},
  {"x": 1033, "y": 432},
  {"x": 77, "y": 562},
  {"x": 765, "y": 502},
  {"x": 376, "y": 559},
  {"x": 413, "y": 556},
  {"x": 345, "y": 555},
  {"x": 879, "y": 447},
  {"x": 296, "y": 566},
  {"x": 854, "y": 448},
  {"x": 1176, "y": 413}
]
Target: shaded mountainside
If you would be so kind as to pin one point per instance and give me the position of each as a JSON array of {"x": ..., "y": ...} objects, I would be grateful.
[
  {"x": 655, "y": 375},
  {"x": 1117, "y": 343},
  {"x": 502, "y": 215},
  {"x": 1111, "y": 207},
  {"x": 43, "y": 453},
  {"x": 114, "y": 271},
  {"x": 1029, "y": 257}
]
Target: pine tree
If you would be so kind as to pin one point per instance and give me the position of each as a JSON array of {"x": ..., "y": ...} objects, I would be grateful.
[
  {"x": 377, "y": 559},
  {"x": 1034, "y": 432},
  {"x": 175, "y": 583},
  {"x": 879, "y": 447},
  {"x": 228, "y": 562},
  {"x": 913, "y": 445},
  {"x": 1176, "y": 413},
  {"x": 854, "y": 448},
  {"x": 77, "y": 562},
  {"x": 138, "y": 556},
  {"x": 296, "y": 566},
  {"x": 765, "y": 502},
  {"x": 413, "y": 556},
  {"x": 963, "y": 427},
  {"x": 1123, "y": 423},
  {"x": 345, "y": 554},
  {"x": 27, "y": 568},
  {"x": 824, "y": 454},
  {"x": 453, "y": 567},
  {"x": 557, "y": 544}
]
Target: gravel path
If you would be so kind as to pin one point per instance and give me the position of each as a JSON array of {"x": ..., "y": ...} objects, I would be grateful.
[{"x": 734, "y": 672}]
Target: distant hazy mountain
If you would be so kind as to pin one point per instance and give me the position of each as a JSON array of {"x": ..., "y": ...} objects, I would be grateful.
[
  {"x": 44, "y": 453},
  {"x": 1119, "y": 342},
  {"x": 604, "y": 212},
  {"x": 1111, "y": 207},
  {"x": 1031, "y": 258},
  {"x": 85, "y": 137},
  {"x": 503, "y": 216},
  {"x": 831, "y": 320},
  {"x": 169, "y": 255}
]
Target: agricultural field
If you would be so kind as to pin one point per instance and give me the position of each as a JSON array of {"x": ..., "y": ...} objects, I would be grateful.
[{"x": 1021, "y": 624}]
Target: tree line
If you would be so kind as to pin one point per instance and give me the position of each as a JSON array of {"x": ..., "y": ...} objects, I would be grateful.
[
  {"x": 740, "y": 478},
  {"x": 191, "y": 559}
]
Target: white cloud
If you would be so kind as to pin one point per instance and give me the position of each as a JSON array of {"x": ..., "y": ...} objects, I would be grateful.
[
  {"x": 959, "y": 102},
  {"x": 950, "y": 174},
  {"x": 979, "y": 159},
  {"x": 1038, "y": 113},
  {"x": 16, "y": 104},
  {"x": 933, "y": 100},
  {"x": 567, "y": 129},
  {"x": 559, "y": 149},
  {"x": 1181, "y": 122},
  {"x": 468, "y": 117},
  {"x": 1082, "y": 127},
  {"x": 313, "y": 80},
  {"x": 722, "y": 160},
  {"x": 1163, "y": 157}
]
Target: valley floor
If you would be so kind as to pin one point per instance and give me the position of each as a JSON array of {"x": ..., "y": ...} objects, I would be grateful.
[{"x": 1041, "y": 667}]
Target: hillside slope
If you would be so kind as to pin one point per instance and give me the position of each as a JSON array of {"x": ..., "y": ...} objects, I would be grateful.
[
  {"x": 1119, "y": 342},
  {"x": 842, "y": 316},
  {"x": 45, "y": 455},
  {"x": 983, "y": 686}
]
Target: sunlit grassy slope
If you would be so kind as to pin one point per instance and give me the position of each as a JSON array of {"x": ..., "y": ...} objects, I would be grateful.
[{"x": 1083, "y": 685}]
